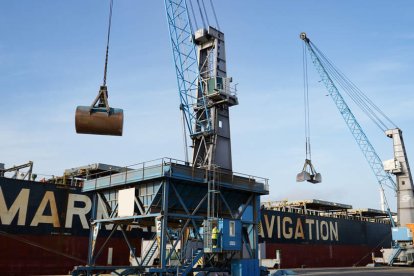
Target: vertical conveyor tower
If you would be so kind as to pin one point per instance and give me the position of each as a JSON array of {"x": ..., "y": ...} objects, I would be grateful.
[{"x": 220, "y": 95}]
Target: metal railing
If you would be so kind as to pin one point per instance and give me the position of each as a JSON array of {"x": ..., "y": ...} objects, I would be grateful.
[
  {"x": 162, "y": 166},
  {"x": 325, "y": 214}
]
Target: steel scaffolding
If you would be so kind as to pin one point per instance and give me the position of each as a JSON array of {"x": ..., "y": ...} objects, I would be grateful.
[{"x": 171, "y": 198}]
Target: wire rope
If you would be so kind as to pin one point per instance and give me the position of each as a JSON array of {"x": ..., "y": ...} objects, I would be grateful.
[
  {"x": 367, "y": 106},
  {"x": 214, "y": 14},
  {"x": 306, "y": 103},
  {"x": 201, "y": 14},
  {"x": 111, "y": 3},
  {"x": 205, "y": 12},
  {"x": 194, "y": 17}
]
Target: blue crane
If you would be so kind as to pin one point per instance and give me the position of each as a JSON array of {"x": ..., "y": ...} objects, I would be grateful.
[
  {"x": 203, "y": 86},
  {"x": 320, "y": 61},
  {"x": 402, "y": 249}
]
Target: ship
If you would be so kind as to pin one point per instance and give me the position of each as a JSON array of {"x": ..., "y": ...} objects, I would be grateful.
[
  {"x": 44, "y": 227},
  {"x": 317, "y": 233}
]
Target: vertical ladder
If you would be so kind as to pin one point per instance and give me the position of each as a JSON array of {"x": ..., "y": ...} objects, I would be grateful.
[{"x": 212, "y": 207}]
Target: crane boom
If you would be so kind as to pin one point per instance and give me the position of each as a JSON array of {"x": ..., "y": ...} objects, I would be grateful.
[
  {"x": 401, "y": 168},
  {"x": 383, "y": 177},
  {"x": 193, "y": 101}
]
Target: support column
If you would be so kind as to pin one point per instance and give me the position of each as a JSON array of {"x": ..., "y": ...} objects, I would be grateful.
[
  {"x": 256, "y": 220},
  {"x": 92, "y": 238},
  {"x": 164, "y": 225}
]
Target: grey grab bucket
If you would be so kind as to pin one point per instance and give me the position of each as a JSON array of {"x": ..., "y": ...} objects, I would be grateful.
[
  {"x": 309, "y": 174},
  {"x": 99, "y": 118}
]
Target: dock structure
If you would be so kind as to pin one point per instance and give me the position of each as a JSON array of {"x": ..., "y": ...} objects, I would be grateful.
[{"x": 203, "y": 220}]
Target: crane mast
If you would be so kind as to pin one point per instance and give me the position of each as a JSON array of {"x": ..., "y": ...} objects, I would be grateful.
[
  {"x": 220, "y": 95},
  {"x": 204, "y": 88},
  {"x": 401, "y": 168}
]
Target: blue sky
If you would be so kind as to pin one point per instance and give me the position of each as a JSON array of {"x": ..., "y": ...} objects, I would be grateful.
[{"x": 52, "y": 55}]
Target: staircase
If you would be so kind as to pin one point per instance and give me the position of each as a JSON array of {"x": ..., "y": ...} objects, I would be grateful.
[
  {"x": 150, "y": 253},
  {"x": 189, "y": 264},
  {"x": 394, "y": 255}
]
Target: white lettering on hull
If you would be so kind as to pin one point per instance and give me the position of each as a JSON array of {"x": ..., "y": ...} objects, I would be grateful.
[
  {"x": 284, "y": 227},
  {"x": 77, "y": 211},
  {"x": 47, "y": 212},
  {"x": 18, "y": 206},
  {"x": 39, "y": 217}
]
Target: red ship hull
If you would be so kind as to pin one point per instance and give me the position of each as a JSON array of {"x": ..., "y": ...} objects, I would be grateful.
[
  {"x": 300, "y": 255},
  {"x": 54, "y": 254}
]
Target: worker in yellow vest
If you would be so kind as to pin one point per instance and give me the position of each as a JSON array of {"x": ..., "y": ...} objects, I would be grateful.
[{"x": 215, "y": 235}]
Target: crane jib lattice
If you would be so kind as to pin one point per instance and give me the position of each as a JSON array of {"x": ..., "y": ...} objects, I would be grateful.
[
  {"x": 383, "y": 177},
  {"x": 193, "y": 102}
]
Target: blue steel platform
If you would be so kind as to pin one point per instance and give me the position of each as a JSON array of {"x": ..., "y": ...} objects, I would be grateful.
[
  {"x": 182, "y": 204},
  {"x": 175, "y": 169}
]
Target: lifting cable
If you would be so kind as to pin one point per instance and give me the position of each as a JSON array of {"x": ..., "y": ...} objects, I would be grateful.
[
  {"x": 371, "y": 110},
  {"x": 214, "y": 13},
  {"x": 353, "y": 92},
  {"x": 205, "y": 12},
  {"x": 203, "y": 7},
  {"x": 194, "y": 17},
  {"x": 99, "y": 118},
  {"x": 306, "y": 103},
  {"x": 107, "y": 41},
  {"x": 201, "y": 14},
  {"x": 308, "y": 172}
]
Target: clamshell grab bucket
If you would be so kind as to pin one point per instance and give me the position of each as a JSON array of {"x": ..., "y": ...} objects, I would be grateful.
[
  {"x": 303, "y": 176},
  {"x": 309, "y": 174},
  {"x": 99, "y": 118},
  {"x": 98, "y": 121},
  {"x": 316, "y": 178}
]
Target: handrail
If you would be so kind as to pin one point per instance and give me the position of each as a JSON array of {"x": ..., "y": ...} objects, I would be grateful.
[{"x": 163, "y": 162}]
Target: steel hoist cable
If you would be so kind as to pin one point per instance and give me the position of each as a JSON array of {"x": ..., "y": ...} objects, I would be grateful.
[
  {"x": 201, "y": 14},
  {"x": 306, "y": 103},
  {"x": 214, "y": 13},
  {"x": 202, "y": 10},
  {"x": 205, "y": 12},
  {"x": 367, "y": 106},
  {"x": 194, "y": 17},
  {"x": 308, "y": 172},
  {"x": 111, "y": 4},
  {"x": 99, "y": 118}
]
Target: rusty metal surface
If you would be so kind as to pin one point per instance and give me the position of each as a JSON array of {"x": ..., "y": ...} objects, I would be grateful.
[{"x": 97, "y": 121}]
